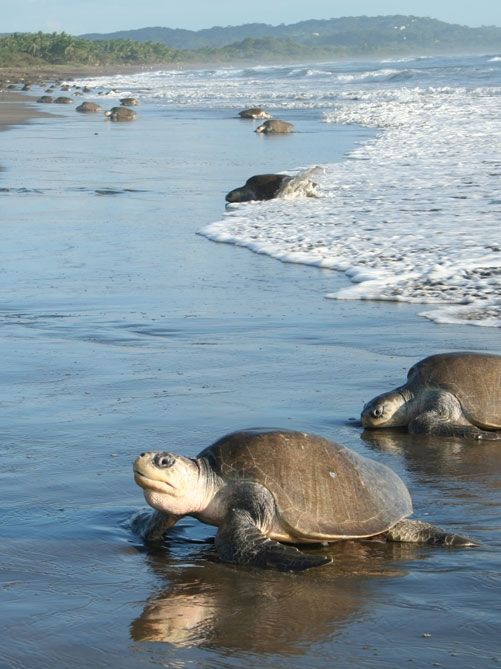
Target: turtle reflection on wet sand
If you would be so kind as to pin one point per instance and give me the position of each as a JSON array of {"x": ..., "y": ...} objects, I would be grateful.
[
  {"x": 446, "y": 395},
  {"x": 262, "y": 488}
]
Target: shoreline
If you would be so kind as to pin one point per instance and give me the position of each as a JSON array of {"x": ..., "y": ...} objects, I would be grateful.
[
  {"x": 15, "y": 109},
  {"x": 15, "y": 106}
]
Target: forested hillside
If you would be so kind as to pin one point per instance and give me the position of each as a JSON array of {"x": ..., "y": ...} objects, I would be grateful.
[
  {"x": 352, "y": 34},
  {"x": 346, "y": 37},
  {"x": 20, "y": 49}
]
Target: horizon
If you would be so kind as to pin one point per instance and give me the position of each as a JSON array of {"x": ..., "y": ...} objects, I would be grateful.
[{"x": 78, "y": 18}]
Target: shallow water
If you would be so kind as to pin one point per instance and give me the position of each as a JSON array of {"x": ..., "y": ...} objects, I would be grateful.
[
  {"x": 122, "y": 330},
  {"x": 411, "y": 216}
]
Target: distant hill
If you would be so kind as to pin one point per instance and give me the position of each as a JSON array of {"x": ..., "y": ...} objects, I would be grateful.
[
  {"x": 348, "y": 35},
  {"x": 252, "y": 43}
]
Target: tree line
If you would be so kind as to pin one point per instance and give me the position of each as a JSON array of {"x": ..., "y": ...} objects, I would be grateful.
[
  {"x": 356, "y": 36},
  {"x": 63, "y": 49}
]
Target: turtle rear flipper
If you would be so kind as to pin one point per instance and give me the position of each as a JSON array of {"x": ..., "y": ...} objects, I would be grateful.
[
  {"x": 240, "y": 541},
  {"x": 419, "y": 532}
]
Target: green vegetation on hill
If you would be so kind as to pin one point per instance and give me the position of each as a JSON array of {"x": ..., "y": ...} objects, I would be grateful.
[
  {"x": 24, "y": 49},
  {"x": 353, "y": 35},
  {"x": 346, "y": 37},
  {"x": 265, "y": 49}
]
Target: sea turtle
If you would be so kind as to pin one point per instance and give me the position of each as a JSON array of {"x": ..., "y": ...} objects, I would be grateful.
[
  {"x": 121, "y": 114},
  {"x": 275, "y": 127},
  {"x": 265, "y": 487},
  {"x": 254, "y": 113},
  {"x": 449, "y": 395},
  {"x": 259, "y": 187},
  {"x": 129, "y": 102},
  {"x": 88, "y": 108}
]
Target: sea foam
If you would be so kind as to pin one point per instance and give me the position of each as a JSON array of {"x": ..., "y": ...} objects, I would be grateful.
[{"x": 409, "y": 216}]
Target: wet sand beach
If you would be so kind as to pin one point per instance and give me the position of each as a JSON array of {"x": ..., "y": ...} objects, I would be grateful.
[
  {"x": 123, "y": 330},
  {"x": 14, "y": 110}
]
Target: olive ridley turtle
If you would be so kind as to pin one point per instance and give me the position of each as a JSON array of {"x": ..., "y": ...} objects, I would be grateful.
[
  {"x": 262, "y": 488},
  {"x": 88, "y": 108},
  {"x": 254, "y": 113},
  {"x": 449, "y": 395},
  {"x": 121, "y": 114},
  {"x": 275, "y": 127},
  {"x": 259, "y": 187}
]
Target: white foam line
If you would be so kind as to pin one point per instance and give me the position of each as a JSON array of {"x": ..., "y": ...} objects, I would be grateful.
[{"x": 410, "y": 216}]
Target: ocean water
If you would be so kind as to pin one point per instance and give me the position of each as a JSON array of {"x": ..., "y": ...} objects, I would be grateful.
[
  {"x": 123, "y": 330},
  {"x": 412, "y": 214}
]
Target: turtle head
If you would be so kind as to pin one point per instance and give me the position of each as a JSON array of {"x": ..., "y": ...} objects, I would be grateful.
[
  {"x": 242, "y": 194},
  {"x": 170, "y": 482},
  {"x": 386, "y": 410}
]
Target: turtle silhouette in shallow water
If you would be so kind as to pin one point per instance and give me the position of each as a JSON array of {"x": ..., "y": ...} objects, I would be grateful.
[
  {"x": 448, "y": 395},
  {"x": 275, "y": 127},
  {"x": 259, "y": 187},
  {"x": 88, "y": 108},
  {"x": 265, "y": 487},
  {"x": 129, "y": 102},
  {"x": 254, "y": 113},
  {"x": 121, "y": 114}
]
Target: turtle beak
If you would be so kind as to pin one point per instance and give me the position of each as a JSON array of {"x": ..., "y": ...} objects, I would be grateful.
[
  {"x": 370, "y": 415},
  {"x": 149, "y": 470},
  {"x": 147, "y": 463}
]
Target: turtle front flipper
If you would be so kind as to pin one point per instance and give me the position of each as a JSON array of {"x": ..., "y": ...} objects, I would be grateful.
[
  {"x": 152, "y": 526},
  {"x": 419, "y": 532},
  {"x": 240, "y": 541}
]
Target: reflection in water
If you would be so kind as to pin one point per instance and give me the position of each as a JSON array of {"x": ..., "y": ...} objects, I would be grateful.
[
  {"x": 457, "y": 459},
  {"x": 213, "y": 605}
]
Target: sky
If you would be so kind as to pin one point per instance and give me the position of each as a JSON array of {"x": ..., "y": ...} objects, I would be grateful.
[{"x": 102, "y": 16}]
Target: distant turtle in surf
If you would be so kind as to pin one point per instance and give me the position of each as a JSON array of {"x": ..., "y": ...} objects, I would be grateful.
[
  {"x": 275, "y": 127},
  {"x": 448, "y": 395},
  {"x": 254, "y": 113},
  {"x": 129, "y": 102},
  {"x": 265, "y": 487},
  {"x": 46, "y": 99},
  {"x": 121, "y": 114},
  {"x": 259, "y": 187},
  {"x": 88, "y": 108},
  {"x": 63, "y": 100}
]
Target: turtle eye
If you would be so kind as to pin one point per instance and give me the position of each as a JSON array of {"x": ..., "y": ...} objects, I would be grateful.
[
  {"x": 378, "y": 411},
  {"x": 163, "y": 460}
]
